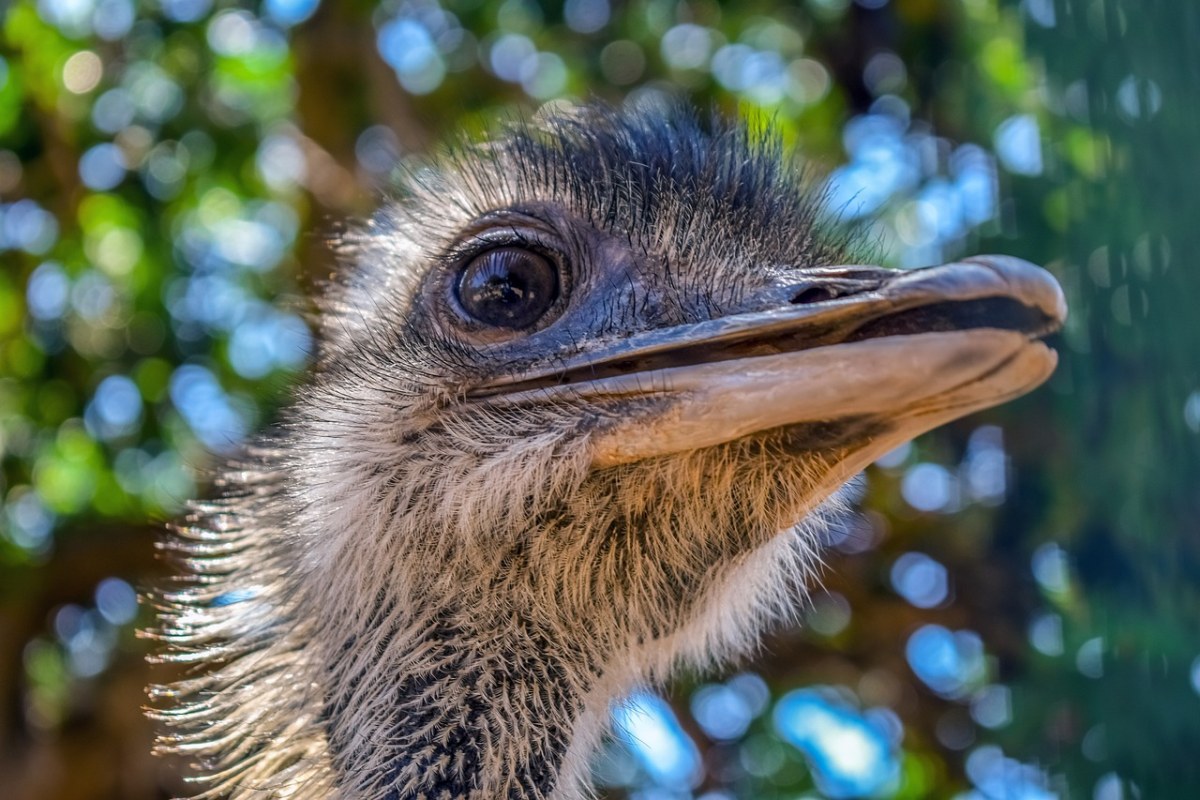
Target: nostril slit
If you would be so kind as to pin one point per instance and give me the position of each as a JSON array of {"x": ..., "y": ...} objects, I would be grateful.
[{"x": 813, "y": 294}]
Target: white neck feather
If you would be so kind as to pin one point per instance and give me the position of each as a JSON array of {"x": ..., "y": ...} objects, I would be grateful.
[{"x": 376, "y": 642}]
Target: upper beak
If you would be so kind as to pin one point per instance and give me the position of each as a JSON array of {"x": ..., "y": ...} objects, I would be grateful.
[{"x": 910, "y": 349}]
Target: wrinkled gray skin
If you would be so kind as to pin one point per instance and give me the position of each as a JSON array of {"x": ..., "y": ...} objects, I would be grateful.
[{"x": 435, "y": 578}]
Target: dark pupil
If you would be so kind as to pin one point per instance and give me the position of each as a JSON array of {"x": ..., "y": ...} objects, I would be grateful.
[{"x": 508, "y": 287}]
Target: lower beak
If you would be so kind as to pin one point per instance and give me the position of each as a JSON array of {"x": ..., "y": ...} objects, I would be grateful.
[{"x": 908, "y": 350}]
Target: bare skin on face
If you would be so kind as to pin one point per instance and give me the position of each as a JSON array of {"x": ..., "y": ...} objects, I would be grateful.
[{"x": 582, "y": 397}]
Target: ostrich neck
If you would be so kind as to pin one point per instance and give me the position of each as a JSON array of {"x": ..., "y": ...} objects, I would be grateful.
[
  {"x": 480, "y": 664},
  {"x": 452, "y": 710}
]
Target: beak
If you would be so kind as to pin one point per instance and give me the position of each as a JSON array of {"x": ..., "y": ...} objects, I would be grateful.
[{"x": 909, "y": 350}]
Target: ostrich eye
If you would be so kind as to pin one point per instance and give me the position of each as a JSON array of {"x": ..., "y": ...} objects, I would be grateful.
[{"x": 508, "y": 287}]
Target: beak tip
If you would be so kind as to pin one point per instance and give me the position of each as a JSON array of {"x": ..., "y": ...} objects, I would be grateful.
[{"x": 1035, "y": 283}]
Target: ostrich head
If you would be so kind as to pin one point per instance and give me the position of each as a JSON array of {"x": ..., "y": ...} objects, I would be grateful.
[{"x": 581, "y": 398}]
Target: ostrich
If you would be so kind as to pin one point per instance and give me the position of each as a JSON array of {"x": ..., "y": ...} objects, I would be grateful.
[{"x": 581, "y": 399}]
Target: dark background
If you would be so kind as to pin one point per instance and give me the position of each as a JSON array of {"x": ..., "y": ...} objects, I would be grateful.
[{"x": 1012, "y": 611}]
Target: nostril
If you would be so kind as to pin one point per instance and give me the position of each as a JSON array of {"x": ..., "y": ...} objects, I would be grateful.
[{"x": 813, "y": 294}]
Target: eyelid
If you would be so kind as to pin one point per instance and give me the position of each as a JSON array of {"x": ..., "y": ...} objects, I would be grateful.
[
  {"x": 474, "y": 243},
  {"x": 466, "y": 250},
  {"x": 507, "y": 228}
]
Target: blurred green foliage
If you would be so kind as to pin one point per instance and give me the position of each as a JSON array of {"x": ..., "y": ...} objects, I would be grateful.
[{"x": 1013, "y": 610}]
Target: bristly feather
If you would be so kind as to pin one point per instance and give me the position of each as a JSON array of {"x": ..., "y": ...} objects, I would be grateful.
[{"x": 396, "y": 596}]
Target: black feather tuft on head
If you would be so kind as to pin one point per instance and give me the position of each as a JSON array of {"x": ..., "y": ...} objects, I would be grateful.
[{"x": 646, "y": 171}]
